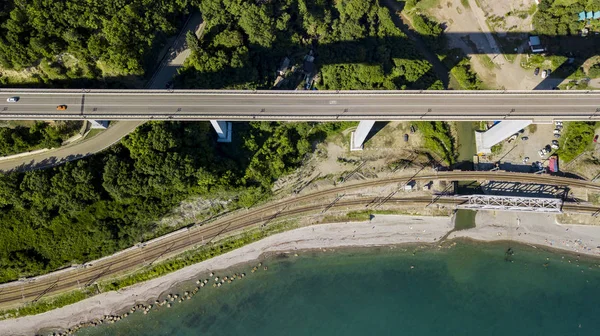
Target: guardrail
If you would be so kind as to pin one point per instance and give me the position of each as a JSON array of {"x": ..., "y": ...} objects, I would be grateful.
[{"x": 304, "y": 93}]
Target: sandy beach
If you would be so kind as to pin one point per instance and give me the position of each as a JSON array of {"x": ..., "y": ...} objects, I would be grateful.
[{"x": 535, "y": 229}]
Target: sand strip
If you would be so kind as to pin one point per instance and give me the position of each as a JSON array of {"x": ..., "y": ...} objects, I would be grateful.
[{"x": 536, "y": 229}]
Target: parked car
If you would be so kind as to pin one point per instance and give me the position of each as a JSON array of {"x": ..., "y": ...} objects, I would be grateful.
[
  {"x": 548, "y": 72},
  {"x": 548, "y": 148},
  {"x": 405, "y": 137},
  {"x": 61, "y": 107},
  {"x": 536, "y": 71},
  {"x": 541, "y": 153},
  {"x": 13, "y": 99},
  {"x": 557, "y": 135},
  {"x": 544, "y": 74},
  {"x": 413, "y": 129},
  {"x": 556, "y": 131},
  {"x": 596, "y": 138},
  {"x": 524, "y": 138},
  {"x": 554, "y": 146},
  {"x": 526, "y": 159},
  {"x": 555, "y": 142},
  {"x": 557, "y": 123}
]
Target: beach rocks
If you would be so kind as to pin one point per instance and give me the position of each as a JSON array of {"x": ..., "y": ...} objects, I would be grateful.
[{"x": 168, "y": 301}]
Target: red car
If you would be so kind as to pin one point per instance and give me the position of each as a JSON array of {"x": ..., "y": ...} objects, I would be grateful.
[{"x": 596, "y": 138}]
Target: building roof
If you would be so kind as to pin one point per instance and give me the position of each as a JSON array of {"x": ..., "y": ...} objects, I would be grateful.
[
  {"x": 597, "y": 15},
  {"x": 534, "y": 41},
  {"x": 589, "y": 15},
  {"x": 581, "y": 16}
]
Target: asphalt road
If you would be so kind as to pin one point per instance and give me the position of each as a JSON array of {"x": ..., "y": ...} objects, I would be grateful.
[
  {"x": 301, "y": 106},
  {"x": 73, "y": 151},
  {"x": 20, "y": 292}
]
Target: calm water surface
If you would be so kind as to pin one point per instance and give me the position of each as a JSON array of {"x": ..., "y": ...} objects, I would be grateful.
[{"x": 466, "y": 290}]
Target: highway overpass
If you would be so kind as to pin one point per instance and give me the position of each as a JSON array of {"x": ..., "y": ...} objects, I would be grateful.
[
  {"x": 196, "y": 105},
  {"x": 221, "y": 106}
]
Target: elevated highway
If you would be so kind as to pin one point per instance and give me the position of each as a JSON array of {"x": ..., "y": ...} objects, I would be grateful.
[{"x": 538, "y": 106}]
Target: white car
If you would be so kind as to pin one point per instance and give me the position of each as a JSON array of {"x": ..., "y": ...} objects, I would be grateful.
[
  {"x": 557, "y": 122},
  {"x": 13, "y": 99},
  {"x": 554, "y": 146},
  {"x": 544, "y": 74},
  {"x": 557, "y": 131},
  {"x": 541, "y": 153}
]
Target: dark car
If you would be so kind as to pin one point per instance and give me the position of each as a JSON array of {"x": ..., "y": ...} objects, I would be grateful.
[
  {"x": 405, "y": 137},
  {"x": 596, "y": 138},
  {"x": 413, "y": 129},
  {"x": 536, "y": 71}
]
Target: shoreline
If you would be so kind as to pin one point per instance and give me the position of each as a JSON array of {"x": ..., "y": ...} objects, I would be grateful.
[{"x": 382, "y": 230}]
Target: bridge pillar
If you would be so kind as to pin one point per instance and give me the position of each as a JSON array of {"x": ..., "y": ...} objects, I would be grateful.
[
  {"x": 223, "y": 129},
  {"x": 357, "y": 138},
  {"x": 99, "y": 124}
]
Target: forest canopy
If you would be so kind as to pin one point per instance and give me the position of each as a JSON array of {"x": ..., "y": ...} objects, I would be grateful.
[
  {"x": 105, "y": 36},
  {"x": 355, "y": 44},
  {"x": 96, "y": 206}
]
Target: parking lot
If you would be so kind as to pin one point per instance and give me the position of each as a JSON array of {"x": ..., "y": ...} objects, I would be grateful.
[{"x": 537, "y": 137}]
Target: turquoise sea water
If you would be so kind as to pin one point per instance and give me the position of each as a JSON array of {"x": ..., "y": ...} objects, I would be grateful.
[{"x": 469, "y": 289}]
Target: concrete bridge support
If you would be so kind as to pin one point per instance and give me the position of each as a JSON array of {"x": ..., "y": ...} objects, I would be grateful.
[
  {"x": 358, "y": 137},
  {"x": 499, "y": 132},
  {"x": 223, "y": 129}
]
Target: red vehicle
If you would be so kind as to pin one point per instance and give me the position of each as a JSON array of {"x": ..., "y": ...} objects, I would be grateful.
[
  {"x": 596, "y": 138},
  {"x": 553, "y": 164}
]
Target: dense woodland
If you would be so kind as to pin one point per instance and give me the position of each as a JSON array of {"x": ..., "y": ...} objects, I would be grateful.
[
  {"x": 41, "y": 134},
  {"x": 104, "y": 37},
  {"x": 559, "y": 17},
  {"x": 355, "y": 43},
  {"x": 98, "y": 205},
  {"x": 95, "y": 206}
]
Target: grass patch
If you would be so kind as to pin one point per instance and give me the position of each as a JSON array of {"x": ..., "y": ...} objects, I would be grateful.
[
  {"x": 576, "y": 138},
  {"x": 487, "y": 62},
  {"x": 438, "y": 138},
  {"x": 427, "y": 4},
  {"x": 366, "y": 215},
  {"x": 47, "y": 304},
  {"x": 465, "y": 3},
  {"x": 94, "y": 132},
  {"x": 532, "y": 128},
  {"x": 465, "y": 76},
  {"x": 497, "y": 148}
]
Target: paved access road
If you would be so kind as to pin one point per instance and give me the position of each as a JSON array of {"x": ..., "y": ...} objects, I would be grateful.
[
  {"x": 20, "y": 292},
  {"x": 300, "y": 105},
  {"x": 74, "y": 151}
]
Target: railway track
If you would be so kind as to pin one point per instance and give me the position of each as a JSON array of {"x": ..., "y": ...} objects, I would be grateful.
[{"x": 19, "y": 292}]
